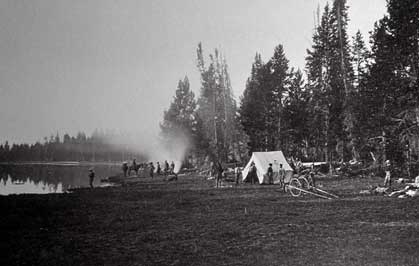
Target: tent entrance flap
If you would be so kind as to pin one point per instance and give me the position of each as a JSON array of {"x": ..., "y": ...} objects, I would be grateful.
[{"x": 262, "y": 161}]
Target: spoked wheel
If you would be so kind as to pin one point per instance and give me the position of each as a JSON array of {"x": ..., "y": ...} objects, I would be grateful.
[
  {"x": 294, "y": 187},
  {"x": 304, "y": 183}
]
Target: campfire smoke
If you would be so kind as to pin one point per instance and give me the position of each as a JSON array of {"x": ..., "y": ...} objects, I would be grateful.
[{"x": 154, "y": 148}]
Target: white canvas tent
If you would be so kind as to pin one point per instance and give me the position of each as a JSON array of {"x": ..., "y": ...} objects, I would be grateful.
[{"x": 262, "y": 161}]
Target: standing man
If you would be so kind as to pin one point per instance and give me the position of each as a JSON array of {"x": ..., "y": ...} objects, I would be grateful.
[
  {"x": 298, "y": 166},
  {"x": 158, "y": 171},
  {"x": 270, "y": 174},
  {"x": 125, "y": 168},
  {"x": 281, "y": 173},
  {"x": 213, "y": 169},
  {"x": 219, "y": 175},
  {"x": 172, "y": 168},
  {"x": 91, "y": 177},
  {"x": 151, "y": 170},
  {"x": 237, "y": 173},
  {"x": 253, "y": 173},
  {"x": 311, "y": 180},
  {"x": 133, "y": 167},
  {"x": 387, "y": 169},
  {"x": 166, "y": 168}
]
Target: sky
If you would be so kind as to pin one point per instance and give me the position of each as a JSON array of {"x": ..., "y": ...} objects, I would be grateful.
[{"x": 81, "y": 65}]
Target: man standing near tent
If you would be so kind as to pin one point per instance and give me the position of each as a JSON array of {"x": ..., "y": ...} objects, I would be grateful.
[
  {"x": 253, "y": 173},
  {"x": 281, "y": 174},
  {"x": 270, "y": 174}
]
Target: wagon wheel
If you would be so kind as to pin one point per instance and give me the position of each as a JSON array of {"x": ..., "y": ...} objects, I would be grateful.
[
  {"x": 304, "y": 183},
  {"x": 294, "y": 187}
]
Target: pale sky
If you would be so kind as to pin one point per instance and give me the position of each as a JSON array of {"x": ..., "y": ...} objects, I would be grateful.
[{"x": 77, "y": 65}]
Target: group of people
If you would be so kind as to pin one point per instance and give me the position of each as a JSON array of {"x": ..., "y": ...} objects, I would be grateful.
[
  {"x": 218, "y": 172},
  {"x": 270, "y": 174},
  {"x": 252, "y": 175},
  {"x": 167, "y": 169},
  {"x": 280, "y": 172},
  {"x": 253, "y": 178}
]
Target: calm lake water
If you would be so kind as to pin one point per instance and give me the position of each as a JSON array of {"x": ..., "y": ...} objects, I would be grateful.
[{"x": 41, "y": 179}]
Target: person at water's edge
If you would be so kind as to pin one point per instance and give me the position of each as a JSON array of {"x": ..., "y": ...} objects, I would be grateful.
[
  {"x": 91, "y": 177},
  {"x": 125, "y": 168}
]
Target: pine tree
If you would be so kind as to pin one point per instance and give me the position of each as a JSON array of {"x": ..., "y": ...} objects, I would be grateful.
[
  {"x": 278, "y": 75},
  {"x": 318, "y": 62},
  {"x": 342, "y": 119},
  {"x": 262, "y": 102},
  {"x": 180, "y": 121},
  {"x": 330, "y": 76},
  {"x": 295, "y": 116},
  {"x": 359, "y": 58},
  {"x": 392, "y": 88},
  {"x": 403, "y": 26},
  {"x": 217, "y": 107},
  {"x": 252, "y": 107}
]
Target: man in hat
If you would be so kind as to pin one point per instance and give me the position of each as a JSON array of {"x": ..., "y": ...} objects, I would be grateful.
[
  {"x": 387, "y": 169},
  {"x": 91, "y": 177},
  {"x": 270, "y": 174}
]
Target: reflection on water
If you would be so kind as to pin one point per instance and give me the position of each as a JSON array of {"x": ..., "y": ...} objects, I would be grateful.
[
  {"x": 41, "y": 179},
  {"x": 28, "y": 186}
]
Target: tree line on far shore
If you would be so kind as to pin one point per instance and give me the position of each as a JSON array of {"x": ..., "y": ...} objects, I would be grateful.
[
  {"x": 94, "y": 148},
  {"x": 353, "y": 102}
]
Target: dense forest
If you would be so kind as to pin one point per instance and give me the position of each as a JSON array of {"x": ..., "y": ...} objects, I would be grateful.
[{"x": 352, "y": 101}]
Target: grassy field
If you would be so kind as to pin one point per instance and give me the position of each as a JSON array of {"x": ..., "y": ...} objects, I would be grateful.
[{"x": 152, "y": 222}]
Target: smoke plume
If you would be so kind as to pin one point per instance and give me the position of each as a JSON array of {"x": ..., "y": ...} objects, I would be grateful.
[{"x": 154, "y": 148}]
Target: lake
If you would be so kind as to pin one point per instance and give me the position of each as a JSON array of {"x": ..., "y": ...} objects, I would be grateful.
[{"x": 41, "y": 179}]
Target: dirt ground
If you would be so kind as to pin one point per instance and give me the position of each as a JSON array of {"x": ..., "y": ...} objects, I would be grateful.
[{"x": 189, "y": 222}]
